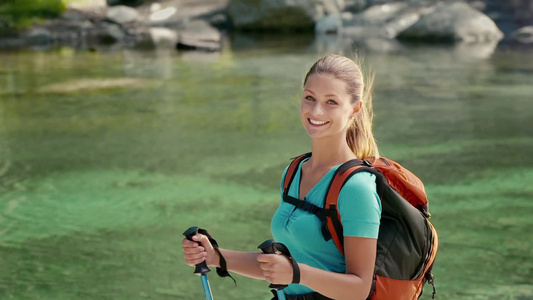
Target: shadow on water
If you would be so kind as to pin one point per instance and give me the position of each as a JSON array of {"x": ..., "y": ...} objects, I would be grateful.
[{"x": 106, "y": 157}]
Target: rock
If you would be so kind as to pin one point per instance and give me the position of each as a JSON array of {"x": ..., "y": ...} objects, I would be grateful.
[
  {"x": 282, "y": 15},
  {"x": 39, "y": 36},
  {"x": 162, "y": 15},
  {"x": 122, "y": 14},
  {"x": 199, "y": 35},
  {"x": 110, "y": 33},
  {"x": 328, "y": 25},
  {"x": 523, "y": 35},
  {"x": 93, "y": 6},
  {"x": 380, "y": 14},
  {"x": 355, "y": 5},
  {"x": 454, "y": 22},
  {"x": 220, "y": 20},
  {"x": 403, "y": 20},
  {"x": 383, "y": 21},
  {"x": 163, "y": 37}
]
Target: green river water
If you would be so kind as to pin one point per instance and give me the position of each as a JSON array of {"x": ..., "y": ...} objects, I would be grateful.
[{"x": 107, "y": 157}]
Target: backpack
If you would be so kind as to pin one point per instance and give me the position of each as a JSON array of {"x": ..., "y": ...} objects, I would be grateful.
[{"x": 407, "y": 242}]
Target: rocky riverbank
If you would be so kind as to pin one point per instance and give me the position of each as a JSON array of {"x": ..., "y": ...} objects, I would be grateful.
[{"x": 201, "y": 24}]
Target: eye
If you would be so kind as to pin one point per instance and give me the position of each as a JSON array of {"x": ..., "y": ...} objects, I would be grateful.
[
  {"x": 309, "y": 98},
  {"x": 332, "y": 102}
]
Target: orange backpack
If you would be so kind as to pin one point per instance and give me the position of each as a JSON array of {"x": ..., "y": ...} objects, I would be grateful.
[{"x": 407, "y": 241}]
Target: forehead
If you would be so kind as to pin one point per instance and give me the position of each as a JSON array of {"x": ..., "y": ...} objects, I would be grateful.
[{"x": 326, "y": 84}]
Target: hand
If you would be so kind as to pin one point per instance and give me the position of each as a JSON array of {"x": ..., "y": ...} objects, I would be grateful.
[
  {"x": 277, "y": 268},
  {"x": 195, "y": 254}
]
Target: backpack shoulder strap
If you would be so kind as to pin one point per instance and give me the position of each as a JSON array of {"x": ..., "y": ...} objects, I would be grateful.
[
  {"x": 291, "y": 171},
  {"x": 345, "y": 172}
]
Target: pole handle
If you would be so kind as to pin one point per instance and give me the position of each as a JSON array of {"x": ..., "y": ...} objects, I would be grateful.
[
  {"x": 201, "y": 268},
  {"x": 269, "y": 247}
]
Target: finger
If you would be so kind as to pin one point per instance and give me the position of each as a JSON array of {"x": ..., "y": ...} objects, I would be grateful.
[
  {"x": 195, "y": 257},
  {"x": 189, "y": 244},
  {"x": 204, "y": 240},
  {"x": 265, "y": 267},
  {"x": 264, "y": 258},
  {"x": 193, "y": 249},
  {"x": 194, "y": 262}
]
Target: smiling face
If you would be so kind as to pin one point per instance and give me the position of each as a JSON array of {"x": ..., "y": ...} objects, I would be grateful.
[{"x": 326, "y": 109}]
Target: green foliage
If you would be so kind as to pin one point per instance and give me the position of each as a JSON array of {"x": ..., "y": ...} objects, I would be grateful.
[{"x": 20, "y": 14}]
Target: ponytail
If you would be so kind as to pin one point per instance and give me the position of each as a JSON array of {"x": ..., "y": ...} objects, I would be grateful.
[{"x": 360, "y": 136}]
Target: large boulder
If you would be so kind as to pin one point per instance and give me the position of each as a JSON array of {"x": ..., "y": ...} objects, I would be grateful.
[
  {"x": 281, "y": 15},
  {"x": 454, "y": 22}
]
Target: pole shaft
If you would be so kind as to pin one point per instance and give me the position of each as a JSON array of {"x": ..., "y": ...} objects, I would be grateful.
[{"x": 207, "y": 288}]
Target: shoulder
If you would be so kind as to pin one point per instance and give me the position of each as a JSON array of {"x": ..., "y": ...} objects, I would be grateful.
[
  {"x": 360, "y": 192},
  {"x": 360, "y": 182}
]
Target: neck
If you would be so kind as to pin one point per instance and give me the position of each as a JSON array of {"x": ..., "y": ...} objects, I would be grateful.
[{"x": 330, "y": 153}]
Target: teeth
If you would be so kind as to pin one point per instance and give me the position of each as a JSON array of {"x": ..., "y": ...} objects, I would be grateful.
[{"x": 315, "y": 122}]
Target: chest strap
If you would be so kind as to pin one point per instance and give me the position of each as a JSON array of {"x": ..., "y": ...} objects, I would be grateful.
[{"x": 309, "y": 207}]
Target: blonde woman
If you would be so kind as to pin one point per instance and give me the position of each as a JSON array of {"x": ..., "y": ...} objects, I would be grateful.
[{"x": 336, "y": 112}]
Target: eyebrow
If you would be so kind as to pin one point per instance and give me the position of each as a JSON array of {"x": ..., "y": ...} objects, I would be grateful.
[{"x": 329, "y": 95}]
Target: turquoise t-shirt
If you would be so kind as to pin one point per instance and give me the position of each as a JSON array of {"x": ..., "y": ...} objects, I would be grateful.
[{"x": 360, "y": 210}]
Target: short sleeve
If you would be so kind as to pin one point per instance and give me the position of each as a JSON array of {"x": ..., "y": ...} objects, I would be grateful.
[{"x": 360, "y": 206}]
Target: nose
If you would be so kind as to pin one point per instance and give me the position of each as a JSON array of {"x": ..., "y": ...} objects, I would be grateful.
[{"x": 317, "y": 109}]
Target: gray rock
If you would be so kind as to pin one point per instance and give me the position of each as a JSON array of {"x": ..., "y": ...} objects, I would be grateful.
[
  {"x": 162, "y": 15},
  {"x": 454, "y": 22},
  {"x": 122, "y": 14},
  {"x": 382, "y": 21},
  {"x": 523, "y": 35},
  {"x": 328, "y": 25},
  {"x": 163, "y": 37},
  {"x": 39, "y": 36},
  {"x": 380, "y": 14},
  {"x": 199, "y": 35},
  {"x": 110, "y": 33},
  {"x": 282, "y": 15},
  {"x": 355, "y": 5}
]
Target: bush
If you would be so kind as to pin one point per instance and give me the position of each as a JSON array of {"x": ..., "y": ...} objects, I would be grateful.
[{"x": 20, "y": 14}]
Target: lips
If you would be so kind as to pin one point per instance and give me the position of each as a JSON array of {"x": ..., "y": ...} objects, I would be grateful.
[{"x": 316, "y": 122}]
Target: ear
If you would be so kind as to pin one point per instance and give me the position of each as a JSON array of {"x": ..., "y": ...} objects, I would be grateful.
[{"x": 357, "y": 107}]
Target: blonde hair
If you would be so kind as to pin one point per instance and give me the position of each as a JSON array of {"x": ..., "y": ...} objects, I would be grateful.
[{"x": 359, "y": 136}]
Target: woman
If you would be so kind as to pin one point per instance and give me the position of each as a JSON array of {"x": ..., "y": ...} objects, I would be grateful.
[{"x": 336, "y": 112}]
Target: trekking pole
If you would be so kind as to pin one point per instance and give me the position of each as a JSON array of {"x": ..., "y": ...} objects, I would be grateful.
[
  {"x": 201, "y": 268},
  {"x": 269, "y": 247}
]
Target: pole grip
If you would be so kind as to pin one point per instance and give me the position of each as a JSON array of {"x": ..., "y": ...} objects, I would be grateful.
[
  {"x": 201, "y": 268},
  {"x": 269, "y": 247}
]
